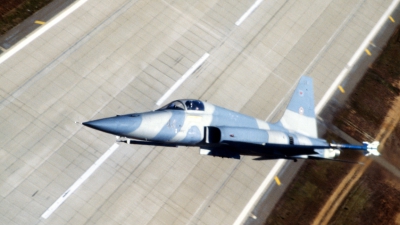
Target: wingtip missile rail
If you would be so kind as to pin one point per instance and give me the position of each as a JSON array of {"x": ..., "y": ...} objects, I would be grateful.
[{"x": 370, "y": 148}]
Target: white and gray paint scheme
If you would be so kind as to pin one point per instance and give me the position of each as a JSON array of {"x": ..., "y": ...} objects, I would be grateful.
[{"x": 226, "y": 133}]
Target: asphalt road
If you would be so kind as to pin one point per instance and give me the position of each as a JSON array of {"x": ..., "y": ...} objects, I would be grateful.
[
  {"x": 106, "y": 59},
  {"x": 275, "y": 192},
  {"x": 27, "y": 26}
]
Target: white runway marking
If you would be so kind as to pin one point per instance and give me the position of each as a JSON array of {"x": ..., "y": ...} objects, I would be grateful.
[
  {"x": 356, "y": 55},
  {"x": 183, "y": 78},
  {"x": 264, "y": 185},
  {"x": 254, "y": 199},
  {"x": 78, "y": 182},
  {"x": 28, "y": 39},
  {"x": 248, "y": 12}
]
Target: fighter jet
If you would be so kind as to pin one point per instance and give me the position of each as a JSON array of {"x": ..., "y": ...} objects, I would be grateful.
[{"x": 225, "y": 133}]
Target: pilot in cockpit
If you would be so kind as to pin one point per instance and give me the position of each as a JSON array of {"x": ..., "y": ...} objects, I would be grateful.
[
  {"x": 194, "y": 105},
  {"x": 190, "y": 105}
]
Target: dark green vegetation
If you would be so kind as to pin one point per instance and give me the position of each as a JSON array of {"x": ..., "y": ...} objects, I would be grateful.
[
  {"x": 375, "y": 197},
  {"x": 13, "y": 12}
]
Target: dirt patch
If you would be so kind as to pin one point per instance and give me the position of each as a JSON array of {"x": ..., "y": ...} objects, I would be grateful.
[
  {"x": 381, "y": 76},
  {"x": 359, "y": 194},
  {"x": 373, "y": 198},
  {"x": 373, "y": 97},
  {"x": 340, "y": 193},
  {"x": 14, "y": 12},
  {"x": 7, "y": 6},
  {"x": 365, "y": 110},
  {"x": 304, "y": 197},
  {"x": 392, "y": 147}
]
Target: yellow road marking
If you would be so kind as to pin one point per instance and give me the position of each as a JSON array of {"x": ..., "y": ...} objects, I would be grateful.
[
  {"x": 341, "y": 89},
  {"x": 368, "y": 52},
  {"x": 278, "y": 182},
  {"x": 391, "y": 19},
  {"x": 40, "y": 22}
]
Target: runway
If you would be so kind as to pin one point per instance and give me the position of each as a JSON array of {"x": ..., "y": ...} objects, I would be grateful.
[{"x": 106, "y": 59}]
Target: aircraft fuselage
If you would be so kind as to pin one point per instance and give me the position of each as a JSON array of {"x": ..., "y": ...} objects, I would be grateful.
[{"x": 226, "y": 133}]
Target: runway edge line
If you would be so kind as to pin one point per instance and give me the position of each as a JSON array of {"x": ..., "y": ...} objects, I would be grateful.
[
  {"x": 264, "y": 185},
  {"x": 35, "y": 34},
  {"x": 242, "y": 216},
  {"x": 356, "y": 56}
]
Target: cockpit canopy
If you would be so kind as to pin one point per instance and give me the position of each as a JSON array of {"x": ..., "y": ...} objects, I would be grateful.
[{"x": 185, "y": 104}]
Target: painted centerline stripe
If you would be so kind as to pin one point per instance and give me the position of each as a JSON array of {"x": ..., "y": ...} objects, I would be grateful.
[
  {"x": 248, "y": 12},
  {"x": 183, "y": 78},
  {"x": 78, "y": 182},
  {"x": 40, "y": 31}
]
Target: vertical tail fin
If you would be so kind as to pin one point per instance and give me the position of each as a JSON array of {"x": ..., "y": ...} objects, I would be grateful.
[{"x": 299, "y": 115}]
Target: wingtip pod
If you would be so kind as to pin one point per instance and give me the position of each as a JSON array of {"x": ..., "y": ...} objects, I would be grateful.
[{"x": 372, "y": 148}]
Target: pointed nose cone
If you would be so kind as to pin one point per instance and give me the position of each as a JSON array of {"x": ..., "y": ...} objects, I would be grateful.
[
  {"x": 119, "y": 125},
  {"x": 106, "y": 125}
]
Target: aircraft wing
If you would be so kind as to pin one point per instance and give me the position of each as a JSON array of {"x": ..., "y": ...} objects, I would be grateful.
[
  {"x": 272, "y": 149},
  {"x": 232, "y": 149},
  {"x": 278, "y": 151},
  {"x": 275, "y": 146}
]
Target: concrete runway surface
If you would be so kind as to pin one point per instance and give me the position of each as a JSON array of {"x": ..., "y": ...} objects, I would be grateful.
[{"x": 105, "y": 59}]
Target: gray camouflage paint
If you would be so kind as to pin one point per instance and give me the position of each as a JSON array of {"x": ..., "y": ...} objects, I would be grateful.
[
  {"x": 186, "y": 121},
  {"x": 186, "y": 127}
]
